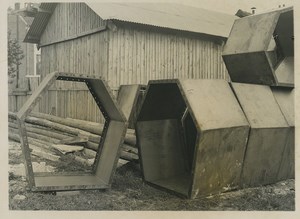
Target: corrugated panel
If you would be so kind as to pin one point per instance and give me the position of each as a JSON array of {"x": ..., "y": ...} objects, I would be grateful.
[
  {"x": 168, "y": 15},
  {"x": 39, "y": 23},
  {"x": 165, "y": 15}
]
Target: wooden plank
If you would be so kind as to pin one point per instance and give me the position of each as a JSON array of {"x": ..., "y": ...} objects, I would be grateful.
[
  {"x": 110, "y": 149},
  {"x": 48, "y": 183},
  {"x": 32, "y": 100}
]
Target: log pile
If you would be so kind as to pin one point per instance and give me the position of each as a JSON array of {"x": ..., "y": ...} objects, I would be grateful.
[{"x": 45, "y": 131}]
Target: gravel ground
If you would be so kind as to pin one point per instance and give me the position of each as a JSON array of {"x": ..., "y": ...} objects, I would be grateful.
[{"x": 130, "y": 193}]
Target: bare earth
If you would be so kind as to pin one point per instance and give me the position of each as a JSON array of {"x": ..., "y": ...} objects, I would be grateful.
[{"x": 129, "y": 192}]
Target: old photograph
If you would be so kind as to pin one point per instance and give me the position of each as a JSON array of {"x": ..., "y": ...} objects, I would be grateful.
[{"x": 150, "y": 106}]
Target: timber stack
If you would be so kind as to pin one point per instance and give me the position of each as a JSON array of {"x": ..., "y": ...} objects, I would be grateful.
[{"x": 47, "y": 133}]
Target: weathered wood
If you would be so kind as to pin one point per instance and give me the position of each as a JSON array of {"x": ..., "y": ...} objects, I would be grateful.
[
  {"x": 95, "y": 128},
  {"x": 42, "y": 137},
  {"x": 34, "y": 98},
  {"x": 130, "y": 149},
  {"x": 74, "y": 141},
  {"x": 76, "y": 127},
  {"x": 92, "y": 146},
  {"x": 13, "y": 134},
  {"x": 39, "y": 149},
  {"x": 129, "y": 156},
  {"x": 75, "y": 36},
  {"x": 64, "y": 149},
  {"x": 44, "y": 132},
  {"x": 90, "y": 141},
  {"x": 88, "y": 162},
  {"x": 90, "y": 153},
  {"x": 43, "y": 154}
]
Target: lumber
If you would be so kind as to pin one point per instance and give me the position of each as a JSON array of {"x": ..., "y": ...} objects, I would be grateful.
[
  {"x": 64, "y": 149},
  {"x": 129, "y": 156},
  {"x": 90, "y": 153},
  {"x": 43, "y": 154},
  {"x": 92, "y": 127},
  {"x": 46, "y": 133},
  {"x": 70, "y": 126},
  {"x": 130, "y": 149},
  {"x": 74, "y": 140},
  {"x": 39, "y": 149},
  {"x": 88, "y": 162},
  {"x": 40, "y": 130}
]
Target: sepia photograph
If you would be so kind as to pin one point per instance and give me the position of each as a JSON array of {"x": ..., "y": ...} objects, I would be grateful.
[{"x": 149, "y": 106}]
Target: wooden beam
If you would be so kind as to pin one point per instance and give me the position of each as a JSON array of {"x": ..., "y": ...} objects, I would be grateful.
[{"x": 75, "y": 36}]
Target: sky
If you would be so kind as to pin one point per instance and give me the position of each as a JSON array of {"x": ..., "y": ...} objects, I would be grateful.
[{"x": 225, "y": 6}]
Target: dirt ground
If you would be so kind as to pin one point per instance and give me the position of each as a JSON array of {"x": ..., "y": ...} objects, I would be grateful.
[{"x": 129, "y": 192}]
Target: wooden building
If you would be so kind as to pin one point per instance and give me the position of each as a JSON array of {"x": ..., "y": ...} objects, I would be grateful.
[
  {"x": 125, "y": 43},
  {"x": 19, "y": 86}
]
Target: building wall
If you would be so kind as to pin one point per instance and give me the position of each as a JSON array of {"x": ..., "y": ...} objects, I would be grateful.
[
  {"x": 125, "y": 55},
  {"x": 138, "y": 55},
  {"x": 19, "y": 89},
  {"x": 82, "y": 56},
  {"x": 70, "y": 19}
]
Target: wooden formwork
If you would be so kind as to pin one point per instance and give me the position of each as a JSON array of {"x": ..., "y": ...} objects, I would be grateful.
[
  {"x": 260, "y": 49},
  {"x": 268, "y": 135},
  {"x": 285, "y": 99},
  {"x": 108, "y": 150},
  {"x": 192, "y": 136}
]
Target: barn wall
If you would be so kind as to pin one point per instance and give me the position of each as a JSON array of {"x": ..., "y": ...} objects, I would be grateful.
[
  {"x": 84, "y": 55},
  {"x": 70, "y": 19},
  {"x": 126, "y": 55},
  {"x": 136, "y": 56},
  {"x": 87, "y": 55}
]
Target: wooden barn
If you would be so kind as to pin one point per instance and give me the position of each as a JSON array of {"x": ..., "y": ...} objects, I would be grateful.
[{"x": 125, "y": 43}]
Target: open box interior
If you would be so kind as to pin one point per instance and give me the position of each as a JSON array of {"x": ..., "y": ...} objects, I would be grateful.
[{"x": 166, "y": 136}]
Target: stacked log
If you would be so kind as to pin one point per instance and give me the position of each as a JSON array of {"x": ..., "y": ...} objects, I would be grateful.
[{"x": 44, "y": 130}]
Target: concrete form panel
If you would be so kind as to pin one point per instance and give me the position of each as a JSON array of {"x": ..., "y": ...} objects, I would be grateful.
[
  {"x": 128, "y": 99},
  {"x": 268, "y": 134},
  {"x": 108, "y": 151},
  {"x": 260, "y": 49},
  {"x": 163, "y": 132},
  {"x": 285, "y": 100}
]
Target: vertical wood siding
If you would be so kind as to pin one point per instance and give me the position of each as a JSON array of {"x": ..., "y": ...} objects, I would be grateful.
[
  {"x": 69, "y": 19},
  {"x": 86, "y": 55},
  {"x": 137, "y": 56},
  {"x": 124, "y": 56}
]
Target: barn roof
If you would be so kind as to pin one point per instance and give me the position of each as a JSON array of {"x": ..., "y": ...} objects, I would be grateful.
[
  {"x": 164, "y": 15},
  {"x": 168, "y": 15},
  {"x": 39, "y": 23}
]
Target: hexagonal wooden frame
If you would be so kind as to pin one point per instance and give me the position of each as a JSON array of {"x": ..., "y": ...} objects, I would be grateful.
[
  {"x": 249, "y": 53},
  {"x": 109, "y": 147}
]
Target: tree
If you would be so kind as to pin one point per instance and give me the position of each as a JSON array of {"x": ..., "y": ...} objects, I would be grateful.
[{"x": 14, "y": 57}]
